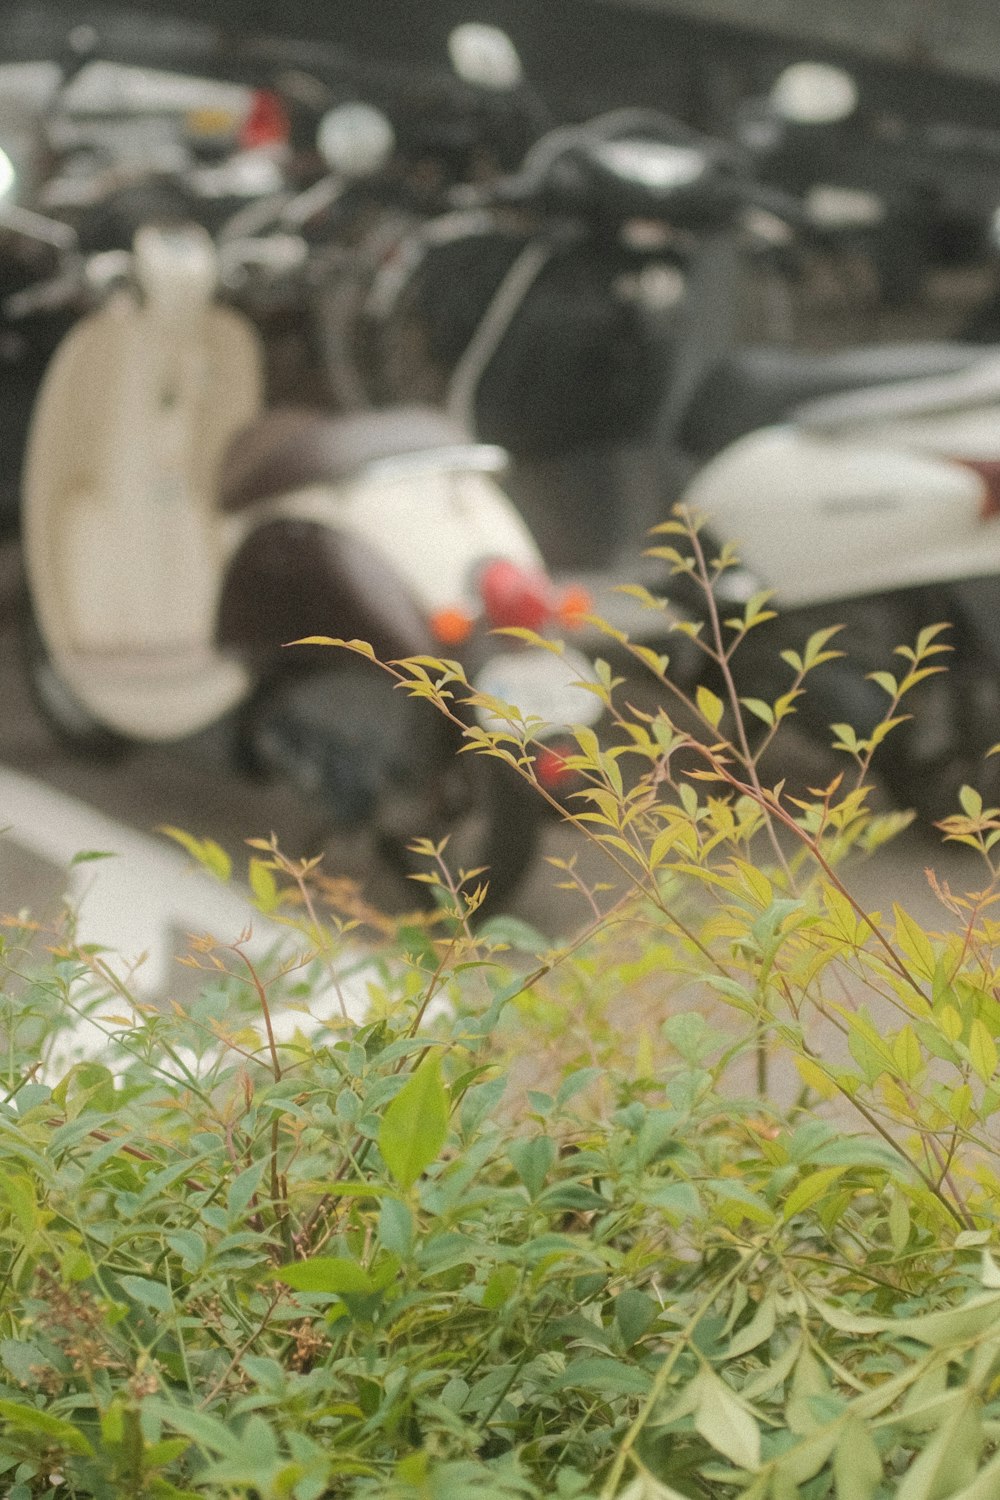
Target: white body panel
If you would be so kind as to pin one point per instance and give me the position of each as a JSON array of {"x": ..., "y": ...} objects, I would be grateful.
[
  {"x": 819, "y": 518},
  {"x": 431, "y": 523}
]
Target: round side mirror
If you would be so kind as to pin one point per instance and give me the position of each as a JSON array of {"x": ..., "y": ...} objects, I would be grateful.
[
  {"x": 811, "y": 93},
  {"x": 355, "y": 140},
  {"x": 485, "y": 56}
]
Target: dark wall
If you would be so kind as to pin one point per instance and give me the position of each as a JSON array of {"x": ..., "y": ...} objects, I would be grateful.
[{"x": 584, "y": 55}]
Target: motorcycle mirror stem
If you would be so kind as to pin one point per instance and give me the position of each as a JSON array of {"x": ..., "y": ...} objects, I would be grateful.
[{"x": 38, "y": 227}]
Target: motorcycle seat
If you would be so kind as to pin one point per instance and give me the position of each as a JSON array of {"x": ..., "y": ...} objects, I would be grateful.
[
  {"x": 756, "y": 387},
  {"x": 289, "y": 448}
]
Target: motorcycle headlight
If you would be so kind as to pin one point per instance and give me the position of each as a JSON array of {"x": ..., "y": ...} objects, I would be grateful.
[{"x": 8, "y": 176}]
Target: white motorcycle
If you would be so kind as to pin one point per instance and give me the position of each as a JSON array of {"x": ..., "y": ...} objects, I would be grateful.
[
  {"x": 178, "y": 534},
  {"x": 860, "y": 486}
]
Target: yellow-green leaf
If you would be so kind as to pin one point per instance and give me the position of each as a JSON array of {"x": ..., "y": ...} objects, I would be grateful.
[
  {"x": 709, "y": 705},
  {"x": 982, "y": 1050},
  {"x": 264, "y": 885},
  {"x": 914, "y": 943},
  {"x": 809, "y": 1189},
  {"x": 813, "y": 1076},
  {"x": 210, "y": 855},
  {"x": 362, "y": 648},
  {"x": 906, "y": 1051}
]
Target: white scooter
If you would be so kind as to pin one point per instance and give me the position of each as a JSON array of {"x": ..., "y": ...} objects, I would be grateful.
[
  {"x": 860, "y": 486},
  {"x": 178, "y": 534}
]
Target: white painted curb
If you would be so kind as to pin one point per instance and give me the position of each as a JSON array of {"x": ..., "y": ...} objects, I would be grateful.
[{"x": 135, "y": 903}]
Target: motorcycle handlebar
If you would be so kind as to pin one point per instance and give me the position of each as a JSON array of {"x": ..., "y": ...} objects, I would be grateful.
[{"x": 565, "y": 171}]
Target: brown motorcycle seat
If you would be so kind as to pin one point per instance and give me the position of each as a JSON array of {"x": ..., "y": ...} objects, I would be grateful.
[{"x": 288, "y": 448}]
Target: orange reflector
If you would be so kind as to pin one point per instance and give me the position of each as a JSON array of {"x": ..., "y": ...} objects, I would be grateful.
[
  {"x": 211, "y": 121},
  {"x": 452, "y": 626},
  {"x": 574, "y": 606}
]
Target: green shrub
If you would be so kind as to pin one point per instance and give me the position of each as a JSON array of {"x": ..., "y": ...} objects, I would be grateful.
[{"x": 522, "y": 1232}]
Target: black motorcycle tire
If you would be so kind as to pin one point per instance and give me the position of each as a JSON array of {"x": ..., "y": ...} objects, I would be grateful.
[
  {"x": 503, "y": 848},
  {"x": 384, "y": 769},
  {"x": 68, "y": 721}
]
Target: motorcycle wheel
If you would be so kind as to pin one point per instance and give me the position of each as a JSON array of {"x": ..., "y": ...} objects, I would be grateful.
[
  {"x": 382, "y": 772},
  {"x": 950, "y": 719},
  {"x": 69, "y": 722}
]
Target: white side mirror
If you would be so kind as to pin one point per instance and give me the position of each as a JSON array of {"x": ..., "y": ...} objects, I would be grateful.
[
  {"x": 355, "y": 140},
  {"x": 811, "y": 93},
  {"x": 485, "y": 56}
]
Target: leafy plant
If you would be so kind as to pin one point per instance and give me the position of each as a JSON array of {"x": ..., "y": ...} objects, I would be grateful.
[{"x": 536, "y": 1226}]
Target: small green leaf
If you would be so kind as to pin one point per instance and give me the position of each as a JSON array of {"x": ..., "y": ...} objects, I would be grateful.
[
  {"x": 515, "y": 933},
  {"x": 857, "y": 1467},
  {"x": 970, "y": 802},
  {"x": 759, "y": 709},
  {"x": 42, "y": 1423},
  {"x": 603, "y": 1375},
  {"x": 809, "y": 1189},
  {"x": 635, "y": 1314},
  {"x": 951, "y": 1325},
  {"x": 532, "y": 1161},
  {"x": 899, "y": 1221},
  {"x": 951, "y": 1457},
  {"x": 415, "y": 1125},
  {"x": 725, "y": 1423},
  {"x": 846, "y": 739},
  {"x": 207, "y": 1430},
  {"x": 19, "y": 1191},
  {"x": 886, "y": 682},
  {"x": 754, "y": 1333},
  {"x": 150, "y": 1293},
  {"x": 360, "y": 648},
  {"x": 395, "y": 1226},
  {"x": 332, "y": 1274},
  {"x": 500, "y": 1286},
  {"x": 906, "y": 1051}
]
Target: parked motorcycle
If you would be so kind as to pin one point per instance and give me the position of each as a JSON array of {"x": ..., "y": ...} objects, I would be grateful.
[
  {"x": 178, "y": 534},
  {"x": 908, "y": 191},
  {"x": 91, "y": 148},
  {"x": 859, "y": 485}
]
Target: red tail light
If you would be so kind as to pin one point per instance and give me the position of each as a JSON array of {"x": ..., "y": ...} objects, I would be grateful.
[
  {"x": 516, "y": 595},
  {"x": 267, "y": 124},
  {"x": 552, "y": 771}
]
